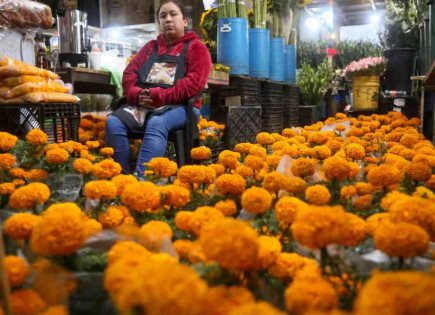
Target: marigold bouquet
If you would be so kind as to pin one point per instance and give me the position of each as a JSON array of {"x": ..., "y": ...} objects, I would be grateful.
[{"x": 365, "y": 67}]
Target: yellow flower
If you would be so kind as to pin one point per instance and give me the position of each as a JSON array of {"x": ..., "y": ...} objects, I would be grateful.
[
  {"x": 175, "y": 196},
  {"x": 229, "y": 159},
  {"x": 256, "y": 200},
  {"x": 7, "y": 161},
  {"x": 230, "y": 184},
  {"x": 60, "y": 232},
  {"x": 219, "y": 168},
  {"x": 243, "y": 148},
  {"x": 423, "y": 192},
  {"x": 36, "y": 137},
  {"x": 254, "y": 162},
  {"x": 111, "y": 218},
  {"x": 273, "y": 181},
  {"x": 20, "y": 225},
  {"x": 289, "y": 266},
  {"x": 7, "y": 141},
  {"x": 303, "y": 296},
  {"x": 7, "y": 188},
  {"x": 155, "y": 235},
  {"x": 409, "y": 140},
  {"x": 196, "y": 220},
  {"x": 28, "y": 196},
  {"x": 142, "y": 197},
  {"x": 318, "y": 195},
  {"x": 355, "y": 151},
  {"x": 244, "y": 171},
  {"x": 201, "y": 153},
  {"x": 280, "y": 145},
  {"x": 82, "y": 166},
  {"x": 336, "y": 168},
  {"x": 374, "y": 220},
  {"x": 26, "y": 302},
  {"x": 259, "y": 151},
  {"x": 320, "y": 137},
  {"x": 123, "y": 248},
  {"x": 91, "y": 227},
  {"x": 16, "y": 270},
  {"x": 418, "y": 171},
  {"x": 401, "y": 239},
  {"x": 70, "y": 146},
  {"x": 217, "y": 242},
  {"x": 398, "y": 292},
  {"x": 269, "y": 249},
  {"x": 287, "y": 208},
  {"x": 92, "y": 144},
  {"x": 363, "y": 203},
  {"x": 189, "y": 250},
  {"x": 347, "y": 192},
  {"x": 100, "y": 190},
  {"x": 221, "y": 300},
  {"x": 228, "y": 207},
  {"x": 36, "y": 175},
  {"x": 192, "y": 174},
  {"x": 264, "y": 138},
  {"x": 384, "y": 176},
  {"x": 303, "y": 167},
  {"x": 256, "y": 308},
  {"x": 321, "y": 152},
  {"x": 293, "y": 185},
  {"x": 106, "y": 169},
  {"x": 288, "y": 132},
  {"x": 57, "y": 156},
  {"x": 107, "y": 151},
  {"x": 163, "y": 167},
  {"x": 121, "y": 181}
]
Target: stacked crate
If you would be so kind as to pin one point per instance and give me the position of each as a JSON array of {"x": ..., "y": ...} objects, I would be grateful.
[
  {"x": 291, "y": 106},
  {"x": 272, "y": 106}
]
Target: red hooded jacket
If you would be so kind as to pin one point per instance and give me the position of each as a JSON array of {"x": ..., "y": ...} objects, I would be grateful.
[{"x": 198, "y": 67}]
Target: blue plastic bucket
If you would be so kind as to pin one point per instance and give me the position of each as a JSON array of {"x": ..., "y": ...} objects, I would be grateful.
[
  {"x": 259, "y": 53},
  {"x": 232, "y": 45},
  {"x": 290, "y": 64},
  {"x": 277, "y": 59}
]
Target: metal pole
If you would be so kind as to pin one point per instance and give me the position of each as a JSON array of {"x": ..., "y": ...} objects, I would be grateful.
[{"x": 431, "y": 43}]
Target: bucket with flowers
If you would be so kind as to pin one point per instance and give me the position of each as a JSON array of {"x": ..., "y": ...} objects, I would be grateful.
[{"x": 364, "y": 75}]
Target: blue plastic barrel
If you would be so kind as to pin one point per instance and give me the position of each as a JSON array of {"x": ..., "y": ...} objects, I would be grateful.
[
  {"x": 232, "y": 45},
  {"x": 259, "y": 53},
  {"x": 277, "y": 59},
  {"x": 290, "y": 64}
]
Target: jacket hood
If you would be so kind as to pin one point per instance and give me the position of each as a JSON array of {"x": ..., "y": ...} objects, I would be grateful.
[{"x": 165, "y": 45}]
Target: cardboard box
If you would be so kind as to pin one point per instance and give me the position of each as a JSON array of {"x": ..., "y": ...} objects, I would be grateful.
[{"x": 219, "y": 77}]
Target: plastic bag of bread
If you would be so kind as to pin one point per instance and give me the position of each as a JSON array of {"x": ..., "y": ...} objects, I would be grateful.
[
  {"x": 26, "y": 88},
  {"x": 25, "y": 14},
  {"x": 21, "y": 79},
  {"x": 10, "y": 68},
  {"x": 49, "y": 97}
]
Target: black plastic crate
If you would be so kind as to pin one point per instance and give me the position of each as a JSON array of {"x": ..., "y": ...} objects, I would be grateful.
[
  {"x": 242, "y": 123},
  {"x": 245, "y": 91},
  {"x": 308, "y": 115},
  {"x": 60, "y": 121},
  {"x": 291, "y": 105}
]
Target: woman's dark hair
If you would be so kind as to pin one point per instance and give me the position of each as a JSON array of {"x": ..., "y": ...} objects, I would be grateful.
[{"x": 178, "y": 3}]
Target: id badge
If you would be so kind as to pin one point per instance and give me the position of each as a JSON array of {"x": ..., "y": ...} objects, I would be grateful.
[{"x": 162, "y": 73}]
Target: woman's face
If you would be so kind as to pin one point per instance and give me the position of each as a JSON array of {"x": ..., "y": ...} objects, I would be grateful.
[{"x": 172, "y": 22}]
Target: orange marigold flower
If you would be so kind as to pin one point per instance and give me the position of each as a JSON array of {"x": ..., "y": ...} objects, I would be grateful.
[
  {"x": 256, "y": 308},
  {"x": 288, "y": 132},
  {"x": 175, "y": 196},
  {"x": 426, "y": 159},
  {"x": 280, "y": 145},
  {"x": 36, "y": 137},
  {"x": 288, "y": 266},
  {"x": 374, "y": 220},
  {"x": 409, "y": 140},
  {"x": 18, "y": 172},
  {"x": 7, "y": 188},
  {"x": 201, "y": 153},
  {"x": 155, "y": 235},
  {"x": 106, "y": 169},
  {"x": 347, "y": 192},
  {"x": 217, "y": 242},
  {"x": 26, "y": 302},
  {"x": 431, "y": 183},
  {"x": 321, "y": 152},
  {"x": 303, "y": 167},
  {"x": 196, "y": 220},
  {"x": 293, "y": 151},
  {"x": 230, "y": 184},
  {"x": 142, "y": 197},
  {"x": 36, "y": 175},
  {"x": 192, "y": 174},
  {"x": 28, "y": 196},
  {"x": 409, "y": 292},
  {"x": 401, "y": 239},
  {"x": 293, "y": 185},
  {"x": 82, "y": 166},
  {"x": 334, "y": 145},
  {"x": 100, "y": 190},
  {"x": 254, "y": 162},
  {"x": 111, "y": 218},
  {"x": 303, "y": 296},
  {"x": 229, "y": 159},
  {"x": 407, "y": 154},
  {"x": 273, "y": 181},
  {"x": 264, "y": 138},
  {"x": 57, "y": 156},
  {"x": 7, "y": 161},
  {"x": 418, "y": 171},
  {"x": 7, "y": 141},
  {"x": 60, "y": 232},
  {"x": 16, "y": 270},
  {"x": 259, "y": 151},
  {"x": 107, "y": 151},
  {"x": 269, "y": 249},
  {"x": 221, "y": 300},
  {"x": 72, "y": 146},
  {"x": 86, "y": 155},
  {"x": 219, "y": 168},
  {"x": 256, "y": 200},
  {"x": 340, "y": 127},
  {"x": 92, "y": 227},
  {"x": 287, "y": 208},
  {"x": 55, "y": 310},
  {"x": 317, "y": 195},
  {"x": 20, "y": 225},
  {"x": 363, "y": 203},
  {"x": 384, "y": 176},
  {"x": 355, "y": 151},
  {"x": 121, "y": 181},
  {"x": 228, "y": 207},
  {"x": 124, "y": 248},
  {"x": 92, "y": 144},
  {"x": 336, "y": 168},
  {"x": 243, "y": 148},
  {"x": 320, "y": 137},
  {"x": 244, "y": 171}
]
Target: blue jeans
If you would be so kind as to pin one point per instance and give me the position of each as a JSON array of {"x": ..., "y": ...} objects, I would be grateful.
[{"x": 157, "y": 129}]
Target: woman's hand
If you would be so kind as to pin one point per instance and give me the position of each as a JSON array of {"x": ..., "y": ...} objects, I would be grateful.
[{"x": 144, "y": 99}]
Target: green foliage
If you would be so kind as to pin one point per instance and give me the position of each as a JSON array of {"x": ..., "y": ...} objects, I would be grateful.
[
  {"x": 402, "y": 21},
  {"x": 314, "y": 82}
]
